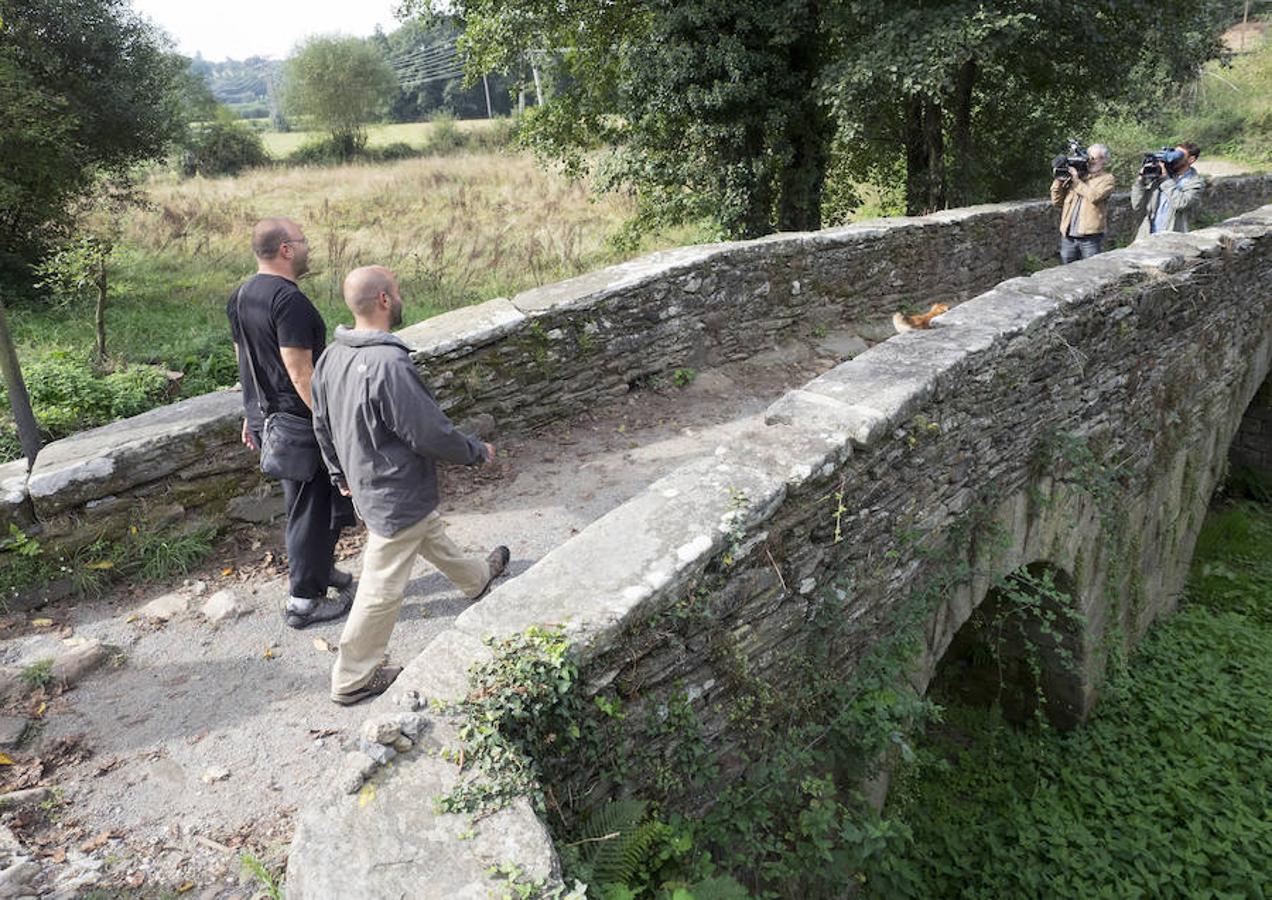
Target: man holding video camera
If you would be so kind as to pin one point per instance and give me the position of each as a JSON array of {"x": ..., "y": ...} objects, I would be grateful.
[
  {"x": 1168, "y": 189},
  {"x": 1082, "y": 189}
]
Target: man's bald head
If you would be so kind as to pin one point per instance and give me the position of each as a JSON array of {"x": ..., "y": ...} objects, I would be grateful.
[
  {"x": 269, "y": 235},
  {"x": 362, "y": 288}
]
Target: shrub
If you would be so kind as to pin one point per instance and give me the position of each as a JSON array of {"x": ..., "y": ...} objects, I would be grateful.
[
  {"x": 323, "y": 151},
  {"x": 444, "y": 137},
  {"x": 67, "y": 396},
  {"x": 135, "y": 389},
  {"x": 396, "y": 150},
  {"x": 222, "y": 148}
]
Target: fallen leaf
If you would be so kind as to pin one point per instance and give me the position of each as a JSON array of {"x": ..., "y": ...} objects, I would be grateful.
[
  {"x": 39, "y": 710},
  {"x": 103, "y": 564},
  {"x": 227, "y": 571},
  {"x": 41, "y": 623},
  {"x": 132, "y": 529},
  {"x": 132, "y": 617},
  {"x": 185, "y": 886},
  {"x": 5, "y": 760},
  {"x": 95, "y": 843},
  {"x": 321, "y": 644},
  {"x": 268, "y": 654},
  {"x": 366, "y": 795}
]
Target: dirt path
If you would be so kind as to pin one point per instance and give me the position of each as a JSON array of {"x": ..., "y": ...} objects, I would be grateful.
[{"x": 198, "y": 742}]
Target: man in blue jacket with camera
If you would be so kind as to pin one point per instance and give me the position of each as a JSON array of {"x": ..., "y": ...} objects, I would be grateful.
[{"x": 1168, "y": 190}]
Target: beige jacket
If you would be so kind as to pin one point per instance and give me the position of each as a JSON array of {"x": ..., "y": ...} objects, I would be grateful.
[{"x": 1094, "y": 191}]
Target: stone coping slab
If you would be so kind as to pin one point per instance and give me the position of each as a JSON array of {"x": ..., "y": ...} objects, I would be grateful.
[
  {"x": 462, "y": 329},
  {"x": 14, "y": 505},
  {"x": 115, "y": 457}
]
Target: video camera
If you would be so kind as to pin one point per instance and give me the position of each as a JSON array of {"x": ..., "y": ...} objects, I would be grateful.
[
  {"x": 1167, "y": 155},
  {"x": 1075, "y": 156}
]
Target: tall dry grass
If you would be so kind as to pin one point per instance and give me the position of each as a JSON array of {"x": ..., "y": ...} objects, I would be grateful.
[{"x": 456, "y": 229}]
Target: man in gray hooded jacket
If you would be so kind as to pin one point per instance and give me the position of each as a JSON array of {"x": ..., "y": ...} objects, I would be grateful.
[{"x": 381, "y": 433}]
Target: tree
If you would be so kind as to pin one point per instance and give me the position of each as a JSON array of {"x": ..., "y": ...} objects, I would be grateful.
[
  {"x": 734, "y": 110},
  {"x": 973, "y": 93},
  {"x": 86, "y": 89},
  {"x": 343, "y": 84},
  {"x": 709, "y": 106}
]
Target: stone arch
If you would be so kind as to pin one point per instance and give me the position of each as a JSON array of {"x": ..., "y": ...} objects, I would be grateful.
[
  {"x": 1023, "y": 647},
  {"x": 1250, "y": 454}
]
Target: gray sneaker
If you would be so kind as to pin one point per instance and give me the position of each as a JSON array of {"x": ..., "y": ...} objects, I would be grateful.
[{"x": 301, "y": 612}]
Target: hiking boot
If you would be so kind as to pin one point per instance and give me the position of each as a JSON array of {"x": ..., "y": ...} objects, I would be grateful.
[
  {"x": 381, "y": 678},
  {"x": 498, "y": 561},
  {"x": 301, "y": 612}
]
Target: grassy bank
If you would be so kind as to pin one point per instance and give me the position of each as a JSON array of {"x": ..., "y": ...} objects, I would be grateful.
[
  {"x": 457, "y": 229},
  {"x": 1166, "y": 792}
]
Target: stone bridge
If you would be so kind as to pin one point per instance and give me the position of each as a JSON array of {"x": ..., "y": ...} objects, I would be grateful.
[{"x": 1065, "y": 427}]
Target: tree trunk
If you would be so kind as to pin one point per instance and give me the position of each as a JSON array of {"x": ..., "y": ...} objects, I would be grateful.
[
  {"x": 19, "y": 400},
  {"x": 934, "y": 135},
  {"x": 961, "y": 134},
  {"x": 924, "y": 156},
  {"x": 808, "y": 133},
  {"x": 101, "y": 310}
]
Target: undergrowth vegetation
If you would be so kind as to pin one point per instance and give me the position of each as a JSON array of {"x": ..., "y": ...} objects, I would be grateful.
[{"x": 1164, "y": 792}]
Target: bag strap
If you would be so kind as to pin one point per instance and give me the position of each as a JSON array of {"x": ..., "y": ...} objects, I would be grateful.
[{"x": 247, "y": 348}]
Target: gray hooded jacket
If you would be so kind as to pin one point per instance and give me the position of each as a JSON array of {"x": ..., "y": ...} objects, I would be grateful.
[{"x": 381, "y": 431}]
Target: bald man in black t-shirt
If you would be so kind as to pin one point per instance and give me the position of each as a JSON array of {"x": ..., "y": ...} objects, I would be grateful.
[{"x": 278, "y": 337}]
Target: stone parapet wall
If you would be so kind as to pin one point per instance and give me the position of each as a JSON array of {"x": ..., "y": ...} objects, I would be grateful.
[
  {"x": 557, "y": 350},
  {"x": 1145, "y": 358}
]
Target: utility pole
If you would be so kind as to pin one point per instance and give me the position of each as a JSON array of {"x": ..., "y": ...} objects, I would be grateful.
[
  {"x": 19, "y": 400},
  {"x": 490, "y": 113}
]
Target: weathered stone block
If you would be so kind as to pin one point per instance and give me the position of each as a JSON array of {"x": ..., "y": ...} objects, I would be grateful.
[{"x": 111, "y": 459}]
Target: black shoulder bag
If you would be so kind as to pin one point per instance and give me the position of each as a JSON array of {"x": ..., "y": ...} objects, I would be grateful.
[{"x": 289, "y": 448}]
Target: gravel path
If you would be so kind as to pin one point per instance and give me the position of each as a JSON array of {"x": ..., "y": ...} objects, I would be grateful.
[{"x": 201, "y": 740}]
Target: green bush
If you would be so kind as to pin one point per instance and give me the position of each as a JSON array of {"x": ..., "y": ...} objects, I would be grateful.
[
  {"x": 323, "y": 151},
  {"x": 67, "y": 396},
  {"x": 396, "y": 150},
  {"x": 223, "y": 147},
  {"x": 444, "y": 137},
  {"x": 206, "y": 366}
]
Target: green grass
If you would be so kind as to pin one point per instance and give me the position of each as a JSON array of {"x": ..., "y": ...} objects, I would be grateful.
[{"x": 1165, "y": 792}]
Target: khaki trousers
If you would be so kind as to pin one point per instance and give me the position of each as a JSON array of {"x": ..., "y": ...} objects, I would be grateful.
[{"x": 386, "y": 568}]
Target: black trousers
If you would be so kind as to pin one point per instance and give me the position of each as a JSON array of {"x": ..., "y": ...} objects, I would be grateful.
[{"x": 315, "y": 514}]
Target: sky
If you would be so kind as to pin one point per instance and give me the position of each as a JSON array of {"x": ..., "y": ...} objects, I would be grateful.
[{"x": 237, "y": 29}]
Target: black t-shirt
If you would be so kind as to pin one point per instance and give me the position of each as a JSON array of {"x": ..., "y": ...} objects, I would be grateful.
[{"x": 275, "y": 313}]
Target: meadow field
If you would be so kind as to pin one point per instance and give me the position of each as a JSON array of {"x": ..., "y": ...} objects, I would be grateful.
[{"x": 280, "y": 144}]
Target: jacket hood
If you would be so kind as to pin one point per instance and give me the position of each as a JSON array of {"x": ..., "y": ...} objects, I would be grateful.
[{"x": 353, "y": 337}]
